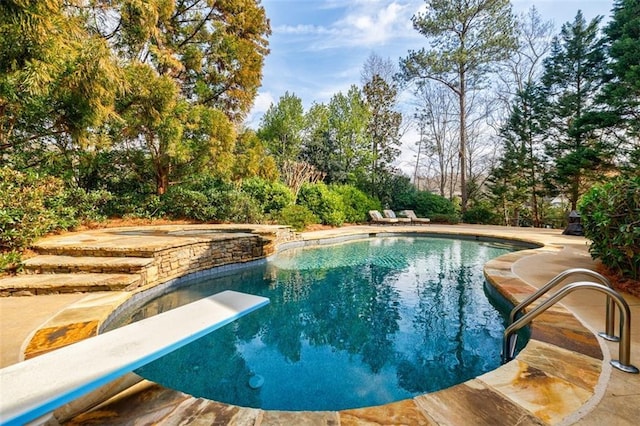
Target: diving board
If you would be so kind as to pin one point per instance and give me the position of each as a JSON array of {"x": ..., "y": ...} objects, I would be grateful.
[{"x": 33, "y": 388}]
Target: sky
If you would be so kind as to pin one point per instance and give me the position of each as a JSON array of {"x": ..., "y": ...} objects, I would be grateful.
[{"x": 318, "y": 47}]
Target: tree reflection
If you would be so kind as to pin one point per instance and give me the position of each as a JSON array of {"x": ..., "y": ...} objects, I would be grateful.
[{"x": 364, "y": 301}]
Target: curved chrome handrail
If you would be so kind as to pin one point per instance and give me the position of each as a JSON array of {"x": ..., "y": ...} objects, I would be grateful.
[
  {"x": 610, "y": 313},
  {"x": 623, "y": 364}
]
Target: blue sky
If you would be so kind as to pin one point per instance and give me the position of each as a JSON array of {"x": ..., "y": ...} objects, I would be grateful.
[{"x": 318, "y": 47}]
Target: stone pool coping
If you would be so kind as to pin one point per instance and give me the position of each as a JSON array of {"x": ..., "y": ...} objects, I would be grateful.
[{"x": 557, "y": 377}]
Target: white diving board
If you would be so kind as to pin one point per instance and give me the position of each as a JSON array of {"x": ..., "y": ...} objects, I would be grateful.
[{"x": 33, "y": 388}]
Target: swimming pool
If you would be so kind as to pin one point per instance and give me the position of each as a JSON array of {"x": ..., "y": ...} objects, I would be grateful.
[{"x": 351, "y": 325}]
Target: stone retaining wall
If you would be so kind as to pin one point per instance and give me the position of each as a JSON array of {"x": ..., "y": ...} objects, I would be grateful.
[{"x": 177, "y": 262}]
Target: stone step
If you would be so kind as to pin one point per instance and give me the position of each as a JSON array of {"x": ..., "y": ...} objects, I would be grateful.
[
  {"x": 31, "y": 285},
  {"x": 48, "y": 264},
  {"x": 74, "y": 251}
]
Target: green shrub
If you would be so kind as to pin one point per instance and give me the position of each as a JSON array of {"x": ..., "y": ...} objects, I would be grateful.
[
  {"x": 323, "y": 203},
  {"x": 611, "y": 220},
  {"x": 356, "y": 204},
  {"x": 451, "y": 219},
  {"x": 25, "y": 212},
  {"x": 271, "y": 196},
  {"x": 423, "y": 203},
  {"x": 182, "y": 203},
  {"x": 479, "y": 214},
  {"x": 145, "y": 206},
  {"x": 296, "y": 216},
  {"x": 11, "y": 262},
  {"x": 240, "y": 208}
]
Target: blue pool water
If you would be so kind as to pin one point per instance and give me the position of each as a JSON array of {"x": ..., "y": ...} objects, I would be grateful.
[{"x": 350, "y": 325}]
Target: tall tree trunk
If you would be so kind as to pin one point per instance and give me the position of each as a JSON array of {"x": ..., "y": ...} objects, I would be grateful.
[{"x": 463, "y": 142}]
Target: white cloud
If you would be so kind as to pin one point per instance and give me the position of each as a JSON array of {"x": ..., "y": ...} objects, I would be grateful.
[
  {"x": 304, "y": 30},
  {"x": 361, "y": 23},
  {"x": 261, "y": 104}
]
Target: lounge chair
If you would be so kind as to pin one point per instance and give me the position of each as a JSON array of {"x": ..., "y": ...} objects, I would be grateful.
[
  {"x": 389, "y": 214},
  {"x": 415, "y": 219},
  {"x": 376, "y": 217}
]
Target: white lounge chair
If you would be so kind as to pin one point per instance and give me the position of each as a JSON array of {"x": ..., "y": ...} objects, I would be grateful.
[
  {"x": 414, "y": 219},
  {"x": 376, "y": 217},
  {"x": 389, "y": 214}
]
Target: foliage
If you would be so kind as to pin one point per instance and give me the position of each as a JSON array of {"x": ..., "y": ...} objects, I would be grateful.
[
  {"x": 31, "y": 206},
  {"x": 572, "y": 77},
  {"x": 210, "y": 199},
  {"x": 622, "y": 91},
  {"x": 338, "y": 143},
  {"x": 182, "y": 203},
  {"x": 356, "y": 203},
  {"x": 296, "y": 216},
  {"x": 451, "y": 219},
  {"x": 271, "y": 196},
  {"x": 423, "y": 203},
  {"x": 383, "y": 128},
  {"x": 241, "y": 208},
  {"x": 281, "y": 128},
  {"x": 251, "y": 158},
  {"x": 611, "y": 220},
  {"x": 297, "y": 173},
  {"x": 479, "y": 213},
  {"x": 517, "y": 178},
  {"x": 467, "y": 38},
  {"x": 619, "y": 110},
  {"x": 10, "y": 262},
  {"x": 323, "y": 203}
]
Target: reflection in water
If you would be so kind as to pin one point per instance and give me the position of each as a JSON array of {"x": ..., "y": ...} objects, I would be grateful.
[{"x": 351, "y": 325}]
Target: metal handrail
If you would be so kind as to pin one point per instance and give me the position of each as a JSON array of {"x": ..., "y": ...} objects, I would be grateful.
[
  {"x": 610, "y": 314},
  {"x": 623, "y": 364}
]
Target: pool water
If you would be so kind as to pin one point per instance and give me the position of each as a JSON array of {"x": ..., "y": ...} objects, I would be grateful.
[{"x": 350, "y": 325}]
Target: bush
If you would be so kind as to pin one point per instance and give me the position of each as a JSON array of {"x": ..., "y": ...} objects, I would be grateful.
[
  {"x": 296, "y": 216},
  {"x": 451, "y": 219},
  {"x": 323, "y": 203},
  {"x": 11, "y": 262},
  {"x": 182, "y": 203},
  {"x": 423, "y": 203},
  {"x": 240, "y": 208},
  {"x": 480, "y": 214},
  {"x": 356, "y": 204},
  {"x": 611, "y": 220},
  {"x": 25, "y": 213},
  {"x": 271, "y": 196}
]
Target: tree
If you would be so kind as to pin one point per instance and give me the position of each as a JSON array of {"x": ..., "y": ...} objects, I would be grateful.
[
  {"x": 214, "y": 50},
  {"x": 317, "y": 148},
  {"x": 251, "y": 158},
  {"x": 58, "y": 82},
  {"x": 193, "y": 66},
  {"x": 348, "y": 120},
  {"x": 572, "y": 77},
  {"x": 524, "y": 65},
  {"x": 383, "y": 129},
  {"x": 621, "y": 93},
  {"x": 180, "y": 137},
  {"x": 281, "y": 128},
  {"x": 467, "y": 38},
  {"x": 518, "y": 178},
  {"x": 436, "y": 115}
]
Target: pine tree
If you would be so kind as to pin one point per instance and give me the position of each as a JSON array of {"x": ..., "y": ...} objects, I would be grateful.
[
  {"x": 621, "y": 93},
  {"x": 518, "y": 178},
  {"x": 572, "y": 78},
  {"x": 467, "y": 38}
]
